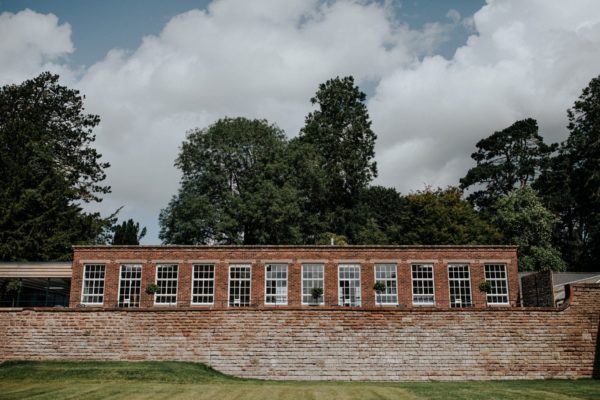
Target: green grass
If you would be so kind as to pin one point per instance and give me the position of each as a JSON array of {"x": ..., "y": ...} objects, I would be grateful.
[{"x": 177, "y": 380}]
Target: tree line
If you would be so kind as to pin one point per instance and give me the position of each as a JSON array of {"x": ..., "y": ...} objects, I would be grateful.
[{"x": 245, "y": 182}]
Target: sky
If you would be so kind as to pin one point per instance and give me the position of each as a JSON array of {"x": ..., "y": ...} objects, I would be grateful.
[{"x": 439, "y": 75}]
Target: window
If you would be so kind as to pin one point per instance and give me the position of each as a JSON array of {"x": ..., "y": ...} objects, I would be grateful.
[
  {"x": 130, "y": 284},
  {"x": 166, "y": 279},
  {"x": 386, "y": 274},
  {"x": 276, "y": 287},
  {"x": 459, "y": 281},
  {"x": 239, "y": 285},
  {"x": 349, "y": 284},
  {"x": 93, "y": 284},
  {"x": 312, "y": 277},
  {"x": 422, "y": 283},
  {"x": 495, "y": 274},
  {"x": 203, "y": 284}
]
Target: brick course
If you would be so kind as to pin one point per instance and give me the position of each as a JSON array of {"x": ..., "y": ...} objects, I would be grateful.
[
  {"x": 294, "y": 257},
  {"x": 320, "y": 343}
]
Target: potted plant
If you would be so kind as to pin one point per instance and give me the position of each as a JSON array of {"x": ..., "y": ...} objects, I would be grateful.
[
  {"x": 13, "y": 288},
  {"x": 379, "y": 287},
  {"x": 316, "y": 294},
  {"x": 485, "y": 287},
  {"x": 152, "y": 288}
]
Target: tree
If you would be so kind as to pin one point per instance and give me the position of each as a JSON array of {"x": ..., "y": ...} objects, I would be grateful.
[
  {"x": 379, "y": 216},
  {"x": 570, "y": 185},
  {"x": 340, "y": 130},
  {"x": 441, "y": 216},
  {"x": 48, "y": 168},
  {"x": 235, "y": 187},
  {"x": 506, "y": 160},
  {"x": 525, "y": 222},
  {"x": 128, "y": 233}
]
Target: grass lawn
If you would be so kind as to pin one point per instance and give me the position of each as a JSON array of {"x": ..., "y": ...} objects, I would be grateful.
[{"x": 176, "y": 380}]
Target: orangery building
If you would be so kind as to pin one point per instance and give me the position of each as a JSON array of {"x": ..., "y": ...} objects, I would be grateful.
[{"x": 220, "y": 277}]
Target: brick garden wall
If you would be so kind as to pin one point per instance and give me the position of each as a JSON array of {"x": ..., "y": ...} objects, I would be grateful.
[{"x": 321, "y": 343}]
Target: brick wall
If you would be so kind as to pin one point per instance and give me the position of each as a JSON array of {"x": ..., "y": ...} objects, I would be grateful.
[
  {"x": 538, "y": 289},
  {"x": 317, "y": 343},
  {"x": 294, "y": 256}
]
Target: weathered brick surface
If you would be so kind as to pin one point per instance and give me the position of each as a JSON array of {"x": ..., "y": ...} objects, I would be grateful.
[
  {"x": 319, "y": 343},
  {"x": 294, "y": 257}
]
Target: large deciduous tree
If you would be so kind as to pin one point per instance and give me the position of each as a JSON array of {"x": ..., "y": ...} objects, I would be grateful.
[
  {"x": 441, "y": 216},
  {"x": 525, "y": 222},
  {"x": 508, "y": 159},
  {"x": 235, "y": 187},
  {"x": 340, "y": 131},
  {"x": 48, "y": 168}
]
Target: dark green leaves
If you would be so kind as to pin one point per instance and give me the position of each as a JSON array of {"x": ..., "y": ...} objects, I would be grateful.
[
  {"x": 506, "y": 160},
  {"x": 47, "y": 168},
  {"x": 236, "y": 187}
]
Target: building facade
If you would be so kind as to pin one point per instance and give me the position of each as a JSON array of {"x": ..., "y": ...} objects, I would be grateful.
[{"x": 285, "y": 276}]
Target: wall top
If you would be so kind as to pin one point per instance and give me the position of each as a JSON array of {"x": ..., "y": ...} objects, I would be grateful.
[{"x": 296, "y": 247}]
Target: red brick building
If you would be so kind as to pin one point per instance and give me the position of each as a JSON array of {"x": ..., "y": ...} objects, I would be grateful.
[{"x": 284, "y": 276}]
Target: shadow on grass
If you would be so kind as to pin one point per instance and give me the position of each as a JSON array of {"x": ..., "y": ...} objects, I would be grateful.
[{"x": 174, "y": 372}]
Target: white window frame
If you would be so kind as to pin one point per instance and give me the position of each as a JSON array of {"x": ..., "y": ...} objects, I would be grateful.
[
  {"x": 468, "y": 279},
  {"x": 322, "y": 301},
  {"x": 157, "y": 295},
  {"x": 130, "y": 280},
  {"x": 249, "y": 266},
  {"x": 83, "y": 280},
  {"x": 276, "y": 295},
  {"x": 386, "y": 294},
  {"x": 214, "y": 272},
  {"x": 412, "y": 280},
  {"x": 340, "y": 296},
  {"x": 488, "y": 295}
]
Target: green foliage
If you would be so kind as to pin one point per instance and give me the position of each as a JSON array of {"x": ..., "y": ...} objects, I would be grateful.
[
  {"x": 341, "y": 130},
  {"x": 13, "y": 286},
  {"x": 379, "y": 287},
  {"x": 485, "y": 287},
  {"x": 525, "y": 222},
  {"x": 316, "y": 293},
  {"x": 343, "y": 143},
  {"x": 441, "y": 216},
  {"x": 570, "y": 185},
  {"x": 506, "y": 160},
  {"x": 235, "y": 188},
  {"x": 48, "y": 168},
  {"x": 152, "y": 288},
  {"x": 128, "y": 233}
]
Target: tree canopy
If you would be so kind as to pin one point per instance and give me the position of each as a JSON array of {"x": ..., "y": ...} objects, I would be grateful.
[
  {"x": 441, "y": 216},
  {"x": 341, "y": 131},
  {"x": 48, "y": 169},
  {"x": 128, "y": 233},
  {"x": 508, "y": 159},
  {"x": 340, "y": 134},
  {"x": 570, "y": 185},
  {"x": 234, "y": 188},
  {"x": 525, "y": 222}
]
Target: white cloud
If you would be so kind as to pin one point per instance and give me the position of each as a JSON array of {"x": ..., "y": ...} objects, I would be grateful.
[
  {"x": 32, "y": 42},
  {"x": 265, "y": 59},
  {"x": 260, "y": 59},
  {"x": 529, "y": 59}
]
